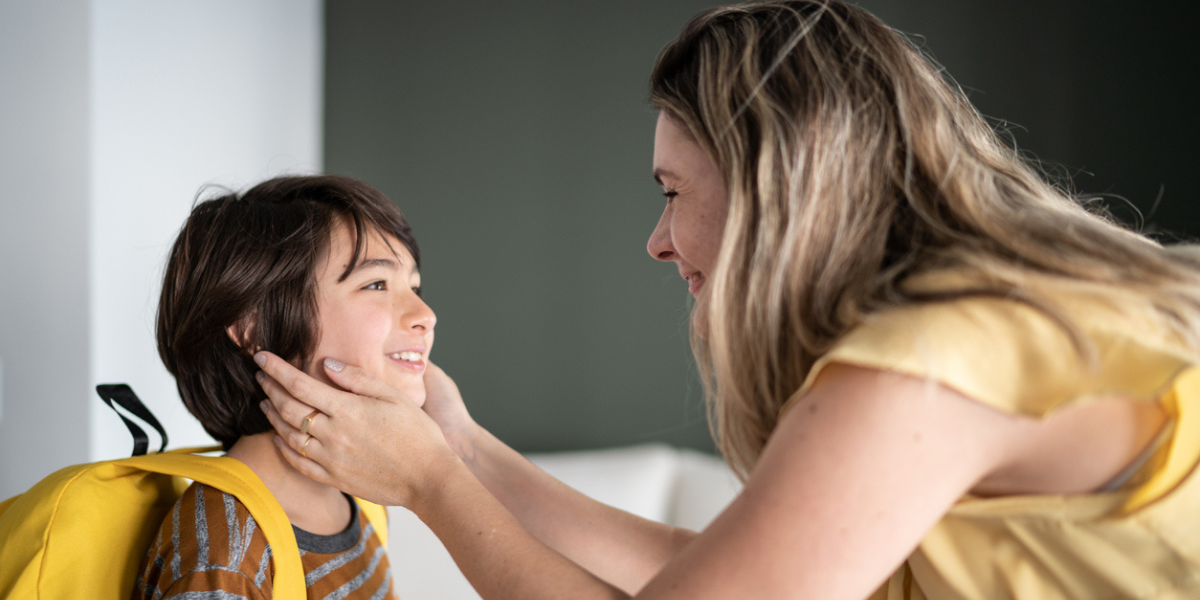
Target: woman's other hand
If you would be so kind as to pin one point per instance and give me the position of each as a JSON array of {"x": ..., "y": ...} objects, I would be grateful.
[
  {"x": 370, "y": 441},
  {"x": 444, "y": 404}
]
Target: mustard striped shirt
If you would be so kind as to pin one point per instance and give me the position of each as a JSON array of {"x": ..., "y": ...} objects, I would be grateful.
[{"x": 209, "y": 547}]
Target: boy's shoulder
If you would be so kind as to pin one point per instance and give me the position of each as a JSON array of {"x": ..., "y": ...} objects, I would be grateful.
[{"x": 208, "y": 542}]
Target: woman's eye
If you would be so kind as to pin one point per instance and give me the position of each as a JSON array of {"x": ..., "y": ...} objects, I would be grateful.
[
  {"x": 380, "y": 285},
  {"x": 669, "y": 194}
]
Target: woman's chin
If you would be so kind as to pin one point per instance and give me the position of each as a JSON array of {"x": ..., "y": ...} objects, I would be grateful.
[{"x": 699, "y": 319}]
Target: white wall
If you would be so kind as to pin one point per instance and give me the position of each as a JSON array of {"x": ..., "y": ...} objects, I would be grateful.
[{"x": 112, "y": 115}]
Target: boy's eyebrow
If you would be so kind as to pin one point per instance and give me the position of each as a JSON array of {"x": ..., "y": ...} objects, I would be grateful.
[
  {"x": 386, "y": 263},
  {"x": 367, "y": 263}
]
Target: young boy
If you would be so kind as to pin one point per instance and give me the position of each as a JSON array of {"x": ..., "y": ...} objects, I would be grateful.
[{"x": 308, "y": 268}]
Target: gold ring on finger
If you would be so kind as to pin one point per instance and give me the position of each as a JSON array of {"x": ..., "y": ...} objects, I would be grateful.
[
  {"x": 304, "y": 448},
  {"x": 308, "y": 421}
]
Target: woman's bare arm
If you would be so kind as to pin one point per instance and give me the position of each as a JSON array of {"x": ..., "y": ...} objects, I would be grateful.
[
  {"x": 619, "y": 547},
  {"x": 853, "y": 477}
]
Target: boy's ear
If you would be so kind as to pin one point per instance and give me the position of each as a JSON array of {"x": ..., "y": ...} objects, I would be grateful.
[{"x": 242, "y": 334}]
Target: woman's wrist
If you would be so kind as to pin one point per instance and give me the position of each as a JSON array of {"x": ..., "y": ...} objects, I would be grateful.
[
  {"x": 465, "y": 440},
  {"x": 443, "y": 481}
]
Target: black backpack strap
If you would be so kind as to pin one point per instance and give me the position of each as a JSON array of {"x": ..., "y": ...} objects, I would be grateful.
[{"x": 123, "y": 395}]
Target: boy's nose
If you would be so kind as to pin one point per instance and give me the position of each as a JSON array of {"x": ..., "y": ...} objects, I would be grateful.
[{"x": 417, "y": 314}]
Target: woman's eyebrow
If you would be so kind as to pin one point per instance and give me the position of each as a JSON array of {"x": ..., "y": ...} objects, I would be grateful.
[{"x": 659, "y": 173}]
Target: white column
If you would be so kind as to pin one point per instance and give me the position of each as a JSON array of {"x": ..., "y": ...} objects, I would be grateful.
[
  {"x": 184, "y": 94},
  {"x": 44, "y": 189},
  {"x": 113, "y": 114}
]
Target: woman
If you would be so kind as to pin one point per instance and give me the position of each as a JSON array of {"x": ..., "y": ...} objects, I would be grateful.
[{"x": 939, "y": 376}]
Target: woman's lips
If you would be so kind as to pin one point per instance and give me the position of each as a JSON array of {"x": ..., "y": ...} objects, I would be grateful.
[{"x": 695, "y": 282}]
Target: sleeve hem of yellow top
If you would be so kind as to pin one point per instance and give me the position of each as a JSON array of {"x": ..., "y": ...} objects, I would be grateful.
[{"x": 1183, "y": 454}]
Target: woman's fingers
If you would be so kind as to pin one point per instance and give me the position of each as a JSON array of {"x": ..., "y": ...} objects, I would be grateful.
[
  {"x": 298, "y": 385},
  {"x": 298, "y": 448},
  {"x": 304, "y": 463},
  {"x": 444, "y": 403},
  {"x": 287, "y": 432},
  {"x": 361, "y": 382},
  {"x": 291, "y": 410},
  {"x": 277, "y": 421}
]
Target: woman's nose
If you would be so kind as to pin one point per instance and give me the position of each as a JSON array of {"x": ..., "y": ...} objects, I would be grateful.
[{"x": 660, "y": 246}]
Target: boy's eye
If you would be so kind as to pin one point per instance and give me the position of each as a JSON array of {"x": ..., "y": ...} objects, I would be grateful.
[
  {"x": 417, "y": 290},
  {"x": 380, "y": 285}
]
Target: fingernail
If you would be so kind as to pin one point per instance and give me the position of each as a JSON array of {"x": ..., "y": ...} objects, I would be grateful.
[
  {"x": 334, "y": 364},
  {"x": 260, "y": 377},
  {"x": 261, "y": 359},
  {"x": 278, "y": 442},
  {"x": 262, "y": 406}
]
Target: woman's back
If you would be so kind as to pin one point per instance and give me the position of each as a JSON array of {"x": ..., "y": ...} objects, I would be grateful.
[{"x": 1127, "y": 539}]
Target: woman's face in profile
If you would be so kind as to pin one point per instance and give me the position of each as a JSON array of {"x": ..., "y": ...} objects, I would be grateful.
[
  {"x": 689, "y": 231},
  {"x": 374, "y": 319}
]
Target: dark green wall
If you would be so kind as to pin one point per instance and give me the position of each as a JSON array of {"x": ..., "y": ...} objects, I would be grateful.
[
  {"x": 516, "y": 137},
  {"x": 518, "y": 141},
  {"x": 1105, "y": 91}
]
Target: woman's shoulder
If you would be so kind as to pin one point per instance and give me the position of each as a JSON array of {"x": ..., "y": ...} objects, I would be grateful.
[
  {"x": 207, "y": 542},
  {"x": 1022, "y": 353}
]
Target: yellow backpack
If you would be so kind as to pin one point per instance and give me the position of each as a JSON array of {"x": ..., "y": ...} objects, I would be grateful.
[{"x": 83, "y": 531}]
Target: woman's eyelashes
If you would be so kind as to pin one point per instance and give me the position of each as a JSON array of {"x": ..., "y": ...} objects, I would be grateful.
[{"x": 670, "y": 194}]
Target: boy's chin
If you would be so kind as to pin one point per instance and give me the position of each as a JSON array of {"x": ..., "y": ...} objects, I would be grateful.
[
  {"x": 416, "y": 394},
  {"x": 413, "y": 390}
]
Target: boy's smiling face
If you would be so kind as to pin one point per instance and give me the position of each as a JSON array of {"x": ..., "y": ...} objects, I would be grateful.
[{"x": 373, "y": 319}]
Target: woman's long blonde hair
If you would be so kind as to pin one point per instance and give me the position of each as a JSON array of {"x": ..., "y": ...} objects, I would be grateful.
[{"x": 851, "y": 165}]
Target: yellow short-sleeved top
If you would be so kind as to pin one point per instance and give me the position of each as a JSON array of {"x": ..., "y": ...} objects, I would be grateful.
[{"x": 1141, "y": 541}]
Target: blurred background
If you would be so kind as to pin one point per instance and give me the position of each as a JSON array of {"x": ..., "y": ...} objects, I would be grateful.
[{"x": 516, "y": 137}]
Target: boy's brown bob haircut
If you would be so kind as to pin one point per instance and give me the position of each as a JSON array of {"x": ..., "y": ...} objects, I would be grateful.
[{"x": 256, "y": 255}]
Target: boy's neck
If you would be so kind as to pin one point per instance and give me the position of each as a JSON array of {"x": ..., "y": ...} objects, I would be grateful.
[{"x": 310, "y": 505}]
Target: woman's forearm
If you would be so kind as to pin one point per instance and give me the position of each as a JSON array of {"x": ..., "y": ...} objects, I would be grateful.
[
  {"x": 618, "y": 547},
  {"x": 497, "y": 555}
]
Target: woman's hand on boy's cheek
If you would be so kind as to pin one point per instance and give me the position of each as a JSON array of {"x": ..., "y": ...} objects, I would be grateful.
[
  {"x": 293, "y": 393},
  {"x": 361, "y": 382},
  {"x": 373, "y": 441},
  {"x": 292, "y": 390},
  {"x": 444, "y": 404}
]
